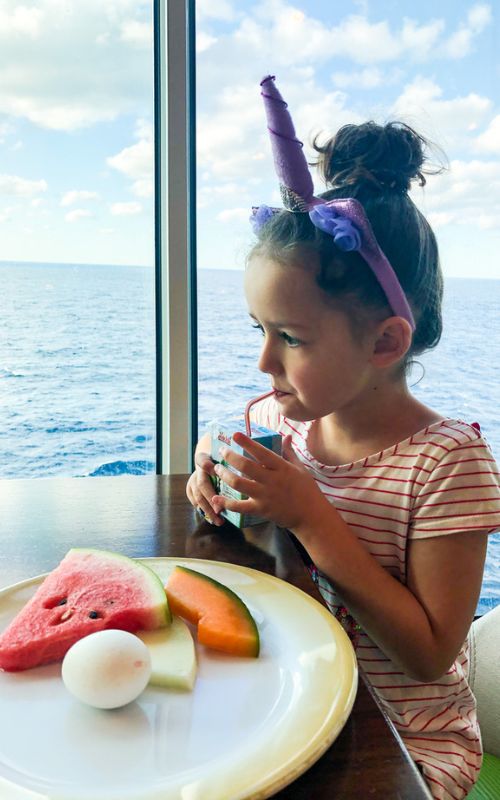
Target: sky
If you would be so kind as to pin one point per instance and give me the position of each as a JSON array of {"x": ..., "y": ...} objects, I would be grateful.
[{"x": 76, "y": 99}]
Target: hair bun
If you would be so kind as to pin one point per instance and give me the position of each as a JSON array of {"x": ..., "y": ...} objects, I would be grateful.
[{"x": 381, "y": 157}]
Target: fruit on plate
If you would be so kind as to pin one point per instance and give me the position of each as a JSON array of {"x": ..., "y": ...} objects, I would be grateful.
[
  {"x": 173, "y": 656},
  {"x": 90, "y": 590},
  {"x": 223, "y": 620}
]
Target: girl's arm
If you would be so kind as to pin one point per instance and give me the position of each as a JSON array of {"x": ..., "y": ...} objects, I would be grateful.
[{"x": 419, "y": 626}]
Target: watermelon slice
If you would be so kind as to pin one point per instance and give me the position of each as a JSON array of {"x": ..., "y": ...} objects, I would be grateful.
[
  {"x": 224, "y": 622},
  {"x": 89, "y": 591}
]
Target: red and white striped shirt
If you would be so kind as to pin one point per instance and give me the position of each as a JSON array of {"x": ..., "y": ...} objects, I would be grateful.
[{"x": 440, "y": 481}]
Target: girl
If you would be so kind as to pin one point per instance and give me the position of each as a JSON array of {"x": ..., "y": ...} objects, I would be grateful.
[{"x": 391, "y": 500}]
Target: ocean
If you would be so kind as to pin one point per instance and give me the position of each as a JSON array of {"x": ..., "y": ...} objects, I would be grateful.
[{"x": 77, "y": 368}]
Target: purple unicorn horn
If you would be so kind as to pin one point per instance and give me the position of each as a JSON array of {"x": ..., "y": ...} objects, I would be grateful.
[
  {"x": 291, "y": 166},
  {"x": 343, "y": 218}
]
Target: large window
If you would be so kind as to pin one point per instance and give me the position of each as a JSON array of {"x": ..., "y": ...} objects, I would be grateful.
[
  {"x": 77, "y": 359},
  {"x": 430, "y": 65},
  {"x": 77, "y": 213}
]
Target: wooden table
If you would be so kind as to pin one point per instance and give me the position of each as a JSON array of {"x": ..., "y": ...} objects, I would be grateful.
[{"x": 40, "y": 520}]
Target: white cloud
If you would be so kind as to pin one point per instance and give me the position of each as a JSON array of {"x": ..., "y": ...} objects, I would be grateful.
[
  {"x": 421, "y": 40},
  {"x": 137, "y": 33},
  {"x": 489, "y": 141},
  {"x": 280, "y": 34},
  {"x": 439, "y": 219},
  {"x": 449, "y": 122},
  {"x": 125, "y": 209},
  {"x": 367, "y": 78},
  {"x": 234, "y": 214},
  {"x": 5, "y": 130},
  {"x": 137, "y": 161},
  {"x": 204, "y": 41},
  {"x": 77, "y": 196},
  {"x": 214, "y": 9},
  {"x": 479, "y": 17},
  {"x": 143, "y": 187},
  {"x": 458, "y": 196},
  {"x": 13, "y": 185},
  {"x": 459, "y": 44},
  {"x": 85, "y": 65},
  {"x": 489, "y": 222},
  {"x": 19, "y": 21},
  {"x": 76, "y": 214}
]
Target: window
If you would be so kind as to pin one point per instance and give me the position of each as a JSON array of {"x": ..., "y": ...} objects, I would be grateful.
[
  {"x": 77, "y": 339},
  {"x": 434, "y": 67}
]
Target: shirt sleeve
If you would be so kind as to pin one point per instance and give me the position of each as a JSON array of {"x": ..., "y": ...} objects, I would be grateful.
[
  {"x": 266, "y": 413},
  {"x": 462, "y": 493}
]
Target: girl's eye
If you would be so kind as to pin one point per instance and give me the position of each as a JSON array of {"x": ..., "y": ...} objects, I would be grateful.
[{"x": 290, "y": 340}]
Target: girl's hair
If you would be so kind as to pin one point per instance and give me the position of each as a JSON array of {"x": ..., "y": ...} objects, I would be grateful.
[{"x": 375, "y": 164}]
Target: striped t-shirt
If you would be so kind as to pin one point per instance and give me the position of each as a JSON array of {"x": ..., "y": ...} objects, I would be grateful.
[{"x": 442, "y": 480}]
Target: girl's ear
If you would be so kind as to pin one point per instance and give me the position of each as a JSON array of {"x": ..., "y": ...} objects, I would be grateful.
[{"x": 392, "y": 342}]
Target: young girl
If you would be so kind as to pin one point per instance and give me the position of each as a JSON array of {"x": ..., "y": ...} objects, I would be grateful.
[{"x": 391, "y": 500}]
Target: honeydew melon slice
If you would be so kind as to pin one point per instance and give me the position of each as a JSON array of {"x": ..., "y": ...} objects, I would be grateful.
[{"x": 173, "y": 656}]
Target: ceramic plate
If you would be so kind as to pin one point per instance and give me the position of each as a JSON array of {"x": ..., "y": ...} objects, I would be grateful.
[{"x": 249, "y": 727}]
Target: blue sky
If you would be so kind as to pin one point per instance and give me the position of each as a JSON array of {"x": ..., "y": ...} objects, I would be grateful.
[{"x": 76, "y": 117}]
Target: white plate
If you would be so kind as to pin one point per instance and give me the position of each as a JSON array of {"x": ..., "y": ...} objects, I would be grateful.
[{"x": 247, "y": 730}]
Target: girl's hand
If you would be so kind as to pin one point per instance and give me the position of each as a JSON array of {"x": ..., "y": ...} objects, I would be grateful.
[
  {"x": 200, "y": 489},
  {"x": 278, "y": 488}
]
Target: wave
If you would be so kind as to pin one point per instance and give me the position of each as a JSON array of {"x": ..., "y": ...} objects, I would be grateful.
[
  {"x": 9, "y": 373},
  {"x": 122, "y": 468}
]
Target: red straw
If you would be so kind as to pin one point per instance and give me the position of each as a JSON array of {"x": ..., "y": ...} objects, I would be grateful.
[{"x": 249, "y": 406}]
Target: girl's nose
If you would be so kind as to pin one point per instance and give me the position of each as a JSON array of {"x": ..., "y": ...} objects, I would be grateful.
[{"x": 268, "y": 362}]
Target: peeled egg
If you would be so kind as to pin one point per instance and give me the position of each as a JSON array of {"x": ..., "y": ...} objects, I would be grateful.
[{"x": 107, "y": 669}]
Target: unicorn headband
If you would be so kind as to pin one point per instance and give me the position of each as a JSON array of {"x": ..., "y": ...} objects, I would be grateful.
[{"x": 344, "y": 218}]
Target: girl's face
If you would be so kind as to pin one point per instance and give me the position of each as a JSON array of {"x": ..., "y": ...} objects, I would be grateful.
[{"x": 316, "y": 365}]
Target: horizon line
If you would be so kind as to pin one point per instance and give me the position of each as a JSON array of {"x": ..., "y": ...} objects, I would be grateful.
[{"x": 16, "y": 262}]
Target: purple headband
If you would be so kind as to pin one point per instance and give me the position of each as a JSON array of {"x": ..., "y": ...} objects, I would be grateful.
[{"x": 342, "y": 218}]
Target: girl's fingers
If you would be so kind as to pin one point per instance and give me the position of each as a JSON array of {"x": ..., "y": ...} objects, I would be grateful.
[
  {"x": 204, "y": 462},
  {"x": 227, "y": 503},
  {"x": 237, "y": 482},
  {"x": 251, "y": 469},
  {"x": 208, "y": 512},
  {"x": 261, "y": 454},
  {"x": 200, "y": 494}
]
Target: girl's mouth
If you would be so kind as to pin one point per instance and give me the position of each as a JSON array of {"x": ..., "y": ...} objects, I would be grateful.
[{"x": 278, "y": 394}]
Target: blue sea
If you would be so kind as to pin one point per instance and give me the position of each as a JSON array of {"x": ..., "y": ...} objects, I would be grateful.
[{"x": 77, "y": 368}]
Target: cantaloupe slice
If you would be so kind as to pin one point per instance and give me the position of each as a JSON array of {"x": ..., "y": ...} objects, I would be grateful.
[
  {"x": 223, "y": 620},
  {"x": 173, "y": 656}
]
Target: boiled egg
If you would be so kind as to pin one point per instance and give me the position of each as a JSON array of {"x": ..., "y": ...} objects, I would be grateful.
[{"x": 107, "y": 669}]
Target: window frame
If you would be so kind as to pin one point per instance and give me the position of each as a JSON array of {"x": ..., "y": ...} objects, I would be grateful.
[{"x": 175, "y": 235}]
